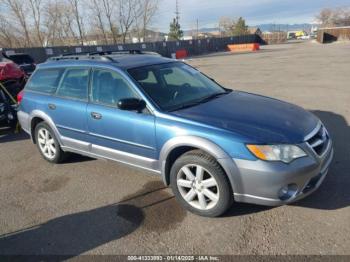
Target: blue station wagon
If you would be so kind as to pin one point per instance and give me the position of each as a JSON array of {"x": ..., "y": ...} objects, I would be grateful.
[{"x": 212, "y": 145}]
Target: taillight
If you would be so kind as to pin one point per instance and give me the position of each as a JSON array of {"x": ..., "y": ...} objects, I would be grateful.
[{"x": 20, "y": 96}]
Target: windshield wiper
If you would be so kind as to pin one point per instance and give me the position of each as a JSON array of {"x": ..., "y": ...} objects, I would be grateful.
[
  {"x": 184, "y": 106},
  {"x": 200, "y": 101},
  {"x": 212, "y": 96}
]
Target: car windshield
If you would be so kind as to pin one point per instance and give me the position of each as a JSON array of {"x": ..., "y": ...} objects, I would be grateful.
[{"x": 174, "y": 86}]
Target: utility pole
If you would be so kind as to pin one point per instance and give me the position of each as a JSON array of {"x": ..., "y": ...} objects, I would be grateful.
[
  {"x": 197, "y": 29},
  {"x": 177, "y": 13}
]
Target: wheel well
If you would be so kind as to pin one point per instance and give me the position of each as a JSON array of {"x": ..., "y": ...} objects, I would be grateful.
[
  {"x": 34, "y": 123},
  {"x": 171, "y": 158}
]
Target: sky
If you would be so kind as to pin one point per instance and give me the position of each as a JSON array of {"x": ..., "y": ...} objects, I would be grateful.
[{"x": 255, "y": 12}]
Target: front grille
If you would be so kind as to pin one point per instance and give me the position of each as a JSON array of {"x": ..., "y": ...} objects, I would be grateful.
[{"x": 319, "y": 140}]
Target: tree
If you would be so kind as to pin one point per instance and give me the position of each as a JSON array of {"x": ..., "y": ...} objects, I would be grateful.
[
  {"x": 18, "y": 11},
  {"x": 175, "y": 32},
  {"x": 240, "y": 28},
  {"x": 334, "y": 17},
  {"x": 77, "y": 13},
  {"x": 8, "y": 36},
  {"x": 230, "y": 27},
  {"x": 126, "y": 17},
  {"x": 52, "y": 19},
  {"x": 144, "y": 12},
  {"x": 97, "y": 12},
  {"x": 36, "y": 9},
  {"x": 226, "y": 26},
  {"x": 326, "y": 17},
  {"x": 109, "y": 12},
  {"x": 59, "y": 24},
  {"x": 31, "y": 23}
]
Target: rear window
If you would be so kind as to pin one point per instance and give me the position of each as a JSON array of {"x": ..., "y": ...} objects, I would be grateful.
[
  {"x": 22, "y": 59},
  {"x": 45, "y": 80}
]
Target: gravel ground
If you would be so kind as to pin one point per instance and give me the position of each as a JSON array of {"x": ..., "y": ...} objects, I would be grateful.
[{"x": 88, "y": 206}]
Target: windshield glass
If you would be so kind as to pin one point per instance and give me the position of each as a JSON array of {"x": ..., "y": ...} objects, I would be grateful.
[{"x": 175, "y": 85}]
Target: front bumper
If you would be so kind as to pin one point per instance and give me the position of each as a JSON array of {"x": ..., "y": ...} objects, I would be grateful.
[{"x": 261, "y": 181}]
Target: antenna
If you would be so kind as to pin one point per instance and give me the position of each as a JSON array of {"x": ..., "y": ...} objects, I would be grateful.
[{"x": 177, "y": 13}]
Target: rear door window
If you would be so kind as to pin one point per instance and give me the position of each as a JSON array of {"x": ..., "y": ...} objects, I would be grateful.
[
  {"x": 45, "y": 80},
  {"x": 75, "y": 84}
]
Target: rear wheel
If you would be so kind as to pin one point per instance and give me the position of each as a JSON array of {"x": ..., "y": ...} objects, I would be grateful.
[
  {"x": 47, "y": 143},
  {"x": 200, "y": 184}
]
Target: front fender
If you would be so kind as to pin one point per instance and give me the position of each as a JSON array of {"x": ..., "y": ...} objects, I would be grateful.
[{"x": 207, "y": 146}]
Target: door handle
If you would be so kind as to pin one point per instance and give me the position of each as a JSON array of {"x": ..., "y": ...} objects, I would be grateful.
[
  {"x": 52, "y": 106},
  {"x": 95, "y": 115}
]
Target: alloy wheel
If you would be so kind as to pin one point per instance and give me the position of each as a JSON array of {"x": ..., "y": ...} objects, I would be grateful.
[
  {"x": 198, "y": 187},
  {"x": 46, "y": 143}
]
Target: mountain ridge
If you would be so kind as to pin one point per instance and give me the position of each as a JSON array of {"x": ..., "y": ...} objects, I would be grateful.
[{"x": 263, "y": 27}]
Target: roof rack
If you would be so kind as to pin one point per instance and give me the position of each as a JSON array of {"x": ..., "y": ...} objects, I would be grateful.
[
  {"x": 81, "y": 57},
  {"x": 110, "y": 52},
  {"x": 72, "y": 54},
  {"x": 102, "y": 55}
]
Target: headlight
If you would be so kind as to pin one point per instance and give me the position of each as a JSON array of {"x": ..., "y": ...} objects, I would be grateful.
[
  {"x": 10, "y": 116},
  {"x": 284, "y": 153}
]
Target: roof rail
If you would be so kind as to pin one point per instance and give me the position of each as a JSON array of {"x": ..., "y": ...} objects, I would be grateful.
[
  {"x": 81, "y": 57},
  {"x": 131, "y": 52},
  {"x": 72, "y": 54},
  {"x": 102, "y": 55},
  {"x": 110, "y": 52}
]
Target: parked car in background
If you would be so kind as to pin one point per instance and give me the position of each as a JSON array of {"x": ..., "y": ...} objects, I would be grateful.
[
  {"x": 304, "y": 37},
  {"x": 212, "y": 145},
  {"x": 24, "y": 61},
  {"x": 8, "y": 115}
]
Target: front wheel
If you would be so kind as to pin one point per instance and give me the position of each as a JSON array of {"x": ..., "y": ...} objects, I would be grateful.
[{"x": 200, "y": 184}]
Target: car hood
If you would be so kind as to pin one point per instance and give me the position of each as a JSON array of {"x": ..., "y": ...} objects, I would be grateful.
[{"x": 257, "y": 118}]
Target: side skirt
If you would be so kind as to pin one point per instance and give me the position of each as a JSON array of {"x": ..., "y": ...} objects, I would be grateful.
[{"x": 95, "y": 151}]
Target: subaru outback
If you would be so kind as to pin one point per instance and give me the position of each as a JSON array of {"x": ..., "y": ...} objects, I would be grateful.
[{"x": 212, "y": 145}]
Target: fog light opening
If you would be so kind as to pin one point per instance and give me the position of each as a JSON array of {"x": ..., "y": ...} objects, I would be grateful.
[{"x": 287, "y": 192}]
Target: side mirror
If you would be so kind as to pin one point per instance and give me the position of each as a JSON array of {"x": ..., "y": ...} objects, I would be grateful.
[{"x": 131, "y": 104}]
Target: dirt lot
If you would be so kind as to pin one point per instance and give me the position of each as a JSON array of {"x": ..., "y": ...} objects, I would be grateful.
[{"x": 100, "y": 207}]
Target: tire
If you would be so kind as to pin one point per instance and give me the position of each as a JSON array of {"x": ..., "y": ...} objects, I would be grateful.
[
  {"x": 192, "y": 176},
  {"x": 45, "y": 138}
]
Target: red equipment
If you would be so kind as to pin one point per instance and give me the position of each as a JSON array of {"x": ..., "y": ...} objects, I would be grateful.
[{"x": 10, "y": 71}]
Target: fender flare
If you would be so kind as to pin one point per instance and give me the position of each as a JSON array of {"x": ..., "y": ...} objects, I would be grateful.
[
  {"x": 226, "y": 162},
  {"x": 48, "y": 120}
]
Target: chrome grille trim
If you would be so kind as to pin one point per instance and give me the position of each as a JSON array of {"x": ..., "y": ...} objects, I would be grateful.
[
  {"x": 316, "y": 143},
  {"x": 319, "y": 137},
  {"x": 314, "y": 131}
]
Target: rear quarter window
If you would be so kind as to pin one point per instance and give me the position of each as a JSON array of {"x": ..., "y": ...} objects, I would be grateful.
[{"x": 45, "y": 80}]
